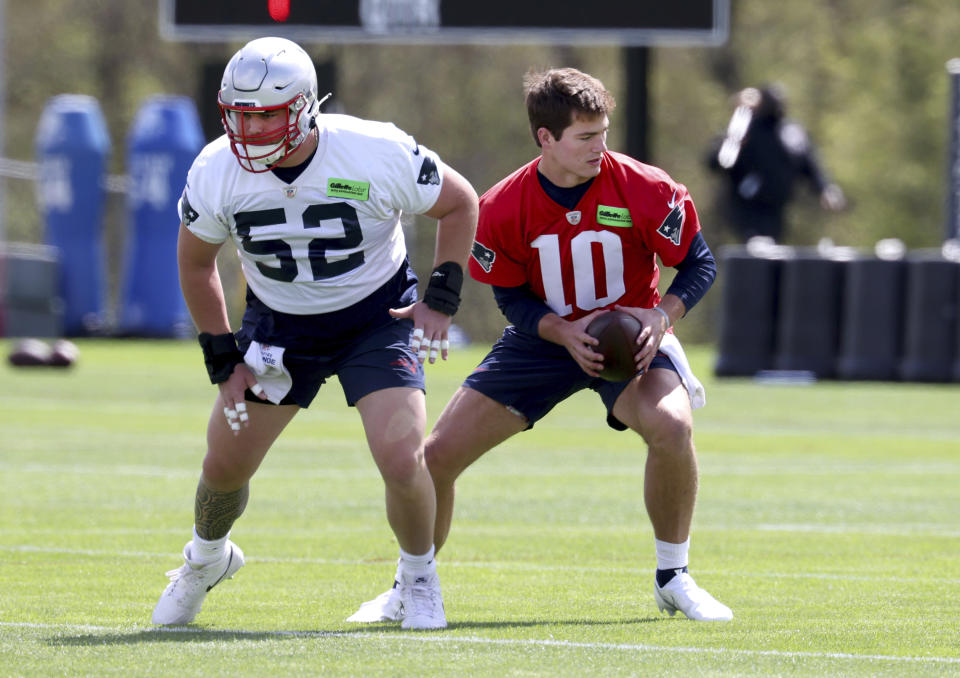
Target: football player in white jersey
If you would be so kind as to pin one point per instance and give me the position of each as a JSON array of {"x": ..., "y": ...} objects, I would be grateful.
[{"x": 313, "y": 204}]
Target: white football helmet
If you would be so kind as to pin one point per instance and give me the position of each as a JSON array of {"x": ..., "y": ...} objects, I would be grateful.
[{"x": 268, "y": 74}]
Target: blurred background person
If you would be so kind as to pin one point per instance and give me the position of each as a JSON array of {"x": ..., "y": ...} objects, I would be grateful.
[{"x": 762, "y": 156}]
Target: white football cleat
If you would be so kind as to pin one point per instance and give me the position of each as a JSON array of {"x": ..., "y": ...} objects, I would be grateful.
[
  {"x": 388, "y": 606},
  {"x": 682, "y": 593},
  {"x": 422, "y": 601},
  {"x": 181, "y": 600}
]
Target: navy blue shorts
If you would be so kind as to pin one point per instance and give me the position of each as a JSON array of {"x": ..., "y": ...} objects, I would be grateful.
[
  {"x": 530, "y": 376},
  {"x": 367, "y": 348}
]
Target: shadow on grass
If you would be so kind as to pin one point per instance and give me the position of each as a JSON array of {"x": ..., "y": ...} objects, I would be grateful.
[{"x": 200, "y": 634}]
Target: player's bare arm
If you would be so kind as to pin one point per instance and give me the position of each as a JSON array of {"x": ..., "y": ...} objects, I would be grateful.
[
  {"x": 656, "y": 322},
  {"x": 572, "y": 335},
  {"x": 200, "y": 282},
  {"x": 456, "y": 213},
  {"x": 203, "y": 293}
]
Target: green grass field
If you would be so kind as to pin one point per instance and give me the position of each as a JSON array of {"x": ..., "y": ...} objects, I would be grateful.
[{"x": 827, "y": 519}]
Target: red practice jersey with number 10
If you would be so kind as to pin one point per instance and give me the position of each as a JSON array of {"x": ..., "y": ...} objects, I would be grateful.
[{"x": 603, "y": 252}]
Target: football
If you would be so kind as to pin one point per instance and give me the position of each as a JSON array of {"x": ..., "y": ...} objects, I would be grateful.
[
  {"x": 29, "y": 353},
  {"x": 617, "y": 333},
  {"x": 63, "y": 354},
  {"x": 37, "y": 353}
]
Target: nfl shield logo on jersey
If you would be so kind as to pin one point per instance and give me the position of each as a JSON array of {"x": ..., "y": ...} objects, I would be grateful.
[
  {"x": 290, "y": 191},
  {"x": 574, "y": 217}
]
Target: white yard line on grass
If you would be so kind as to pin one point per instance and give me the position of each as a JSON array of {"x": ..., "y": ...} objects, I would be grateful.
[
  {"x": 488, "y": 565},
  {"x": 475, "y": 640}
]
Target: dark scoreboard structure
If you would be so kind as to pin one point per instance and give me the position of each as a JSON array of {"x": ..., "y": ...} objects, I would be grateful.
[
  {"x": 628, "y": 23},
  {"x": 634, "y": 25}
]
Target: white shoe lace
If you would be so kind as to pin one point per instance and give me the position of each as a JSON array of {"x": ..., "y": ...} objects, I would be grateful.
[
  {"x": 194, "y": 578},
  {"x": 424, "y": 599},
  {"x": 188, "y": 581},
  {"x": 176, "y": 574}
]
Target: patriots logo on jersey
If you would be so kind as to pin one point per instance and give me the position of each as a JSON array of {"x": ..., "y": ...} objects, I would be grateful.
[
  {"x": 189, "y": 214},
  {"x": 672, "y": 226},
  {"x": 483, "y": 256},
  {"x": 428, "y": 172}
]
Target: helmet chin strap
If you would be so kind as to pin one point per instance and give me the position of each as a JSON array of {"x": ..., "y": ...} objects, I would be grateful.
[
  {"x": 268, "y": 159},
  {"x": 272, "y": 158}
]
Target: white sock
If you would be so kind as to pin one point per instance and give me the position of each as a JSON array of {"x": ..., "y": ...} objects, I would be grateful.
[
  {"x": 413, "y": 565},
  {"x": 672, "y": 556},
  {"x": 204, "y": 551}
]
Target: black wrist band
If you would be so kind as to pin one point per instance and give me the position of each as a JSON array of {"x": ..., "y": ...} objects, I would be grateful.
[
  {"x": 443, "y": 290},
  {"x": 220, "y": 355}
]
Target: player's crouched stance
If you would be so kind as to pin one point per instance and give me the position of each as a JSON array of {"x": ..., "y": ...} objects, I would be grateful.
[
  {"x": 313, "y": 205},
  {"x": 547, "y": 233}
]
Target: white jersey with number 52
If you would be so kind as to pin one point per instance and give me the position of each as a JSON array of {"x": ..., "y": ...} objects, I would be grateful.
[{"x": 333, "y": 235}]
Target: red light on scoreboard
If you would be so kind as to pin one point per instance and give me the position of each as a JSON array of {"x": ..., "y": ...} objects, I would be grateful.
[{"x": 279, "y": 9}]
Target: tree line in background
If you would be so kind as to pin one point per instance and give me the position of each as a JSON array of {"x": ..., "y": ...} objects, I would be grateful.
[{"x": 866, "y": 77}]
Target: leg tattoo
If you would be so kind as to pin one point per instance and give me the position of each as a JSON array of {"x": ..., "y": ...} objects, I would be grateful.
[{"x": 215, "y": 512}]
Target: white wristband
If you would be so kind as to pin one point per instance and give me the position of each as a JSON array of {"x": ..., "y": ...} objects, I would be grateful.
[{"x": 665, "y": 315}]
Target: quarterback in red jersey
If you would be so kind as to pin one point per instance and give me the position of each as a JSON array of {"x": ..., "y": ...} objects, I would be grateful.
[
  {"x": 602, "y": 252},
  {"x": 570, "y": 235}
]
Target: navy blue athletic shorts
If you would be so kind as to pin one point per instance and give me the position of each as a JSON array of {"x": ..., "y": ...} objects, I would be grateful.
[
  {"x": 530, "y": 376},
  {"x": 367, "y": 348}
]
